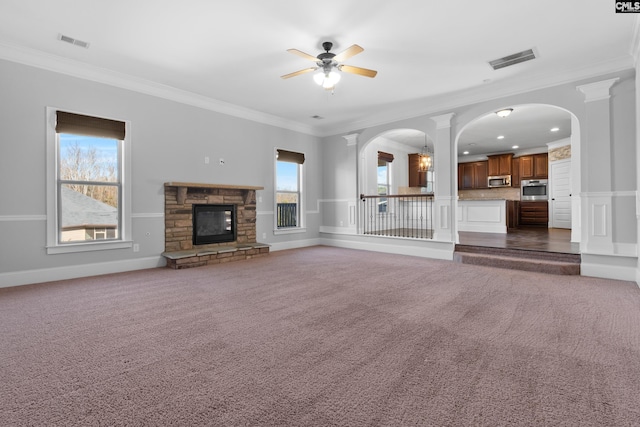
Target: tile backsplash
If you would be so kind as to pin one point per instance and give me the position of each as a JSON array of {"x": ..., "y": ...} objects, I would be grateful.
[{"x": 490, "y": 193}]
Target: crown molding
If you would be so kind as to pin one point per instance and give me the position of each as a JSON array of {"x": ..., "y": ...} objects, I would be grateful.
[
  {"x": 389, "y": 113},
  {"x": 57, "y": 64},
  {"x": 449, "y": 101}
]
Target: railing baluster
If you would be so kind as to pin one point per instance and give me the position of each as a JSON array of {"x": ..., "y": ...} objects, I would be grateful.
[{"x": 404, "y": 216}]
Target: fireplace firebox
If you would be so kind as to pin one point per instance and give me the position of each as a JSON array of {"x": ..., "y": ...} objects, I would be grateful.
[{"x": 214, "y": 224}]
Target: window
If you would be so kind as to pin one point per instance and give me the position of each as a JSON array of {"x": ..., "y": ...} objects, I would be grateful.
[
  {"x": 87, "y": 191},
  {"x": 384, "y": 181},
  {"x": 289, "y": 190}
]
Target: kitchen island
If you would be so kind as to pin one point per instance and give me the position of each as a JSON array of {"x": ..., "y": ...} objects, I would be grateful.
[{"x": 482, "y": 215}]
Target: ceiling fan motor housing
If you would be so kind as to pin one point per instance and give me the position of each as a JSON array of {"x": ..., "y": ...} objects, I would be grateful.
[{"x": 326, "y": 57}]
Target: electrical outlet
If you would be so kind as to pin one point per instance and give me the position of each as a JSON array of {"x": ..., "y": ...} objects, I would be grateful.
[
  {"x": 264, "y": 235},
  {"x": 136, "y": 247},
  {"x": 206, "y": 160},
  {"x": 221, "y": 161}
]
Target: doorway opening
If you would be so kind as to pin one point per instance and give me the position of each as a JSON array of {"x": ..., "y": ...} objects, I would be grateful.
[{"x": 540, "y": 143}]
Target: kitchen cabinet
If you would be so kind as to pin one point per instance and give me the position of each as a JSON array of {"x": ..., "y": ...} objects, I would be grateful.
[
  {"x": 499, "y": 164},
  {"x": 534, "y": 166},
  {"x": 472, "y": 175},
  {"x": 513, "y": 214},
  {"x": 534, "y": 213},
  {"x": 416, "y": 178},
  {"x": 515, "y": 172}
]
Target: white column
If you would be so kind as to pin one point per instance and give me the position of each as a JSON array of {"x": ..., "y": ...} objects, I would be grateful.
[
  {"x": 352, "y": 204},
  {"x": 443, "y": 177},
  {"x": 596, "y": 179}
]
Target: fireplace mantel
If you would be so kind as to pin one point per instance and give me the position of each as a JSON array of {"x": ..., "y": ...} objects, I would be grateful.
[
  {"x": 203, "y": 185},
  {"x": 182, "y": 187}
]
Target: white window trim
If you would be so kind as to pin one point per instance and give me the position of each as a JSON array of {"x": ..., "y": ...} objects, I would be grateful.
[
  {"x": 389, "y": 186},
  {"x": 301, "y": 228},
  {"x": 53, "y": 244}
]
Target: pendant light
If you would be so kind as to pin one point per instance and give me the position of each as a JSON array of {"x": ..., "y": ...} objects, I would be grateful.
[{"x": 426, "y": 157}]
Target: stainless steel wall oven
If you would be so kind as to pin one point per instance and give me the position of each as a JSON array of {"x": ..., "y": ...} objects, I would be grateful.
[{"x": 534, "y": 189}]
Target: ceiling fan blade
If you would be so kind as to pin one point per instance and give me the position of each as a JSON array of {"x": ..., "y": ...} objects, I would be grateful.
[
  {"x": 297, "y": 73},
  {"x": 348, "y": 53},
  {"x": 304, "y": 55},
  {"x": 357, "y": 70}
]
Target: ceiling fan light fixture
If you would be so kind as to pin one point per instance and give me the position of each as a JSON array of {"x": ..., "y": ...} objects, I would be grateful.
[
  {"x": 330, "y": 66},
  {"x": 327, "y": 80},
  {"x": 504, "y": 112}
]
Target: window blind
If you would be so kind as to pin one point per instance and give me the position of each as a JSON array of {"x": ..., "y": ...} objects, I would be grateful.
[
  {"x": 385, "y": 157},
  {"x": 79, "y": 124},
  {"x": 290, "y": 156}
]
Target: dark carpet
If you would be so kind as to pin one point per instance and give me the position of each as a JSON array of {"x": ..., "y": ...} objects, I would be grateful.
[{"x": 322, "y": 337}]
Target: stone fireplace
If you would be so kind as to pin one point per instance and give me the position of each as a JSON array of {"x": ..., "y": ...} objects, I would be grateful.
[{"x": 227, "y": 215}]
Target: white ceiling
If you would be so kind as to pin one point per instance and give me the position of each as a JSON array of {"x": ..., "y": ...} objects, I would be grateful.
[
  {"x": 527, "y": 128},
  {"x": 230, "y": 55}
]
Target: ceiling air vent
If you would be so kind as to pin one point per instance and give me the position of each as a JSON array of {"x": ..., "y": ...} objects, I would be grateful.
[
  {"x": 516, "y": 58},
  {"x": 73, "y": 41}
]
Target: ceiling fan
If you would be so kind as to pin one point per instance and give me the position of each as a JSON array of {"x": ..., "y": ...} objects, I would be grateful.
[{"x": 328, "y": 63}]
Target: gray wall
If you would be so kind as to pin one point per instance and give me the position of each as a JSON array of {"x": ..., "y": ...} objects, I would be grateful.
[
  {"x": 171, "y": 139},
  {"x": 169, "y": 143},
  {"x": 623, "y": 146}
]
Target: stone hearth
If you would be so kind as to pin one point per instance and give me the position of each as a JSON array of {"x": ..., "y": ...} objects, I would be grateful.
[{"x": 179, "y": 198}]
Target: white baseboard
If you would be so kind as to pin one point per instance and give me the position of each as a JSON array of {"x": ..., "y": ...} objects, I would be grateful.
[
  {"x": 443, "y": 251},
  {"x": 339, "y": 230},
  {"x": 28, "y": 277},
  {"x": 608, "y": 272},
  {"x": 293, "y": 244},
  {"x": 609, "y": 267}
]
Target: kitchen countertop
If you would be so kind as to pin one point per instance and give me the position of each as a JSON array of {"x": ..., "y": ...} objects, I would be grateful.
[{"x": 483, "y": 199}]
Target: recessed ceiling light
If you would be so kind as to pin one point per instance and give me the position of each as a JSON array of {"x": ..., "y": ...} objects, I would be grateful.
[
  {"x": 504, "y": 112},
  {"x": 515, "y": 146},
  {"x": 465, "y": 152},
  {"x": 555, "y": 129},
  {"x": 501, "y": 137}
]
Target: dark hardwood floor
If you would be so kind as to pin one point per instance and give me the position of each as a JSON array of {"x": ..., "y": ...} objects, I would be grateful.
[{"x": 533, "y": 238}]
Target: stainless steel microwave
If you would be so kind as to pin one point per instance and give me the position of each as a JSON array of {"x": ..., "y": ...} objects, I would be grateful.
[
  {"x": 499, "y": 181},
  {"x": 534, "y": 189}
]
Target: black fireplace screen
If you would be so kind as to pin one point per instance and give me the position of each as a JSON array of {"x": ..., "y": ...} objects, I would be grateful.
[{"x": 214, "y": 224}]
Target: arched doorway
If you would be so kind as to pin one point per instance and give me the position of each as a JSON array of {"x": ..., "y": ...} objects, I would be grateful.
[
  {"x": 385, "y": 168},
  {"x": 400, "y": 143},
  {"x": 530, "y": 131}
]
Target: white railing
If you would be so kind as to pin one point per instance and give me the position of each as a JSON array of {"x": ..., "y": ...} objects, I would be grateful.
[{"x": 409, "y": 216}]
